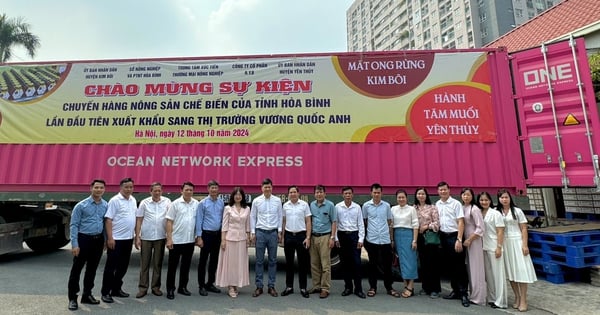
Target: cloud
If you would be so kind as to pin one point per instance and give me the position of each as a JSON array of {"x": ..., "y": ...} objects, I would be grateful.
[{"x": 125, "y": 29}]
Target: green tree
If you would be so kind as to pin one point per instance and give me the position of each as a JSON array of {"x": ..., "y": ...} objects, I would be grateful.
[
  {"x": 13, "y": 32},
  {"x": 595, "y": 71}
]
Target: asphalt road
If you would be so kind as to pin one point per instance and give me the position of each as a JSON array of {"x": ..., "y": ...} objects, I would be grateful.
[{"x": 32, "y": 283}]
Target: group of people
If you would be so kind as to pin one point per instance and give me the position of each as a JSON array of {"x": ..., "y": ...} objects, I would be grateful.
[
  {"x": 157, "y": 223},
  {"x": 491, "y": 240},
  {"x": 482, "y": 245}
]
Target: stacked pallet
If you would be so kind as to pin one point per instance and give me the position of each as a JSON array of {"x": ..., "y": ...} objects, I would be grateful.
[{"x": 564, "y": 257}]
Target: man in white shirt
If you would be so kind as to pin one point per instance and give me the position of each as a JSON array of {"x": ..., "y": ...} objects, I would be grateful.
[
  {"x": 150, "y": 237},
  {"x": 296, "y": 240},
  {"x": 350, "y": 237},
  {"x": 452, "y": 227},
  {"x": 119, "y": 224},
  {"x": 265, "y": 227},
  {"x": 181, "y": 221}
]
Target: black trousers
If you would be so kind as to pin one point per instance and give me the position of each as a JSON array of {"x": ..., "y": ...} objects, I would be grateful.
[
  {"x": 350, "y": 260},
  {"x": 429, "y": 256},
  {"x": 117, "y": 262},
  {"x": 183, "y": 252},
  {"x": 380, "y": 258},
  {"x": 292, "y": 246},
  {"x": 90, "y": 253},
  {"x": 209, "y": 253},
  {"x": 459, "y": 279}
]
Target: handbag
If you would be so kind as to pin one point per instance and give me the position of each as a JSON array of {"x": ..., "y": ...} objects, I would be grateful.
[{"x": 431, "y": 237}]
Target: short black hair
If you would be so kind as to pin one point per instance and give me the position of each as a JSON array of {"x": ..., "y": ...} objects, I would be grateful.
[
  {"x": 267, "y": 181},
  {"x": 125, "y": 180},
  {"x": 319, "y": 187},
  {"x": 97, "y": 180},
  {"x": 154, "y": 185},
  {"x": 187, "y": 184},
  {"x": 376, "y": 186},
  {"x": 213, "y": 182}
]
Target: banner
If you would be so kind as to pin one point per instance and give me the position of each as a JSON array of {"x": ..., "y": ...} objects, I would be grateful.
[{"x": 370, "y": 97}]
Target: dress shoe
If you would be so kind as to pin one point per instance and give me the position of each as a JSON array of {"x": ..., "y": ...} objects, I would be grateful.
[
  {"x": 184, "y": 291},
  {"x": 346, "y": 292},
  {"x": 141, "y": 294},
  {"x": 360, "y": 294},
  {"x": 213, "y": 289},
  {"x": 452, "y": 296},
  {"x": 304, "y": 293},
  {"x": 287, "y": 292},
  {"x": 272, "y": 292},
  {"x": 107, "y": 298},
  {"x": 202, "y": 291},
  {"x": 324, "y": 294},
  {"x": 257, "y": 292},
  {"x": 89, "y": 299},
  {"x": 120, "y": 293},
  {"x": 157, "y": 292},
  {"x": 170, "y": 294},
  {"x": 465, "y": 301},
  {"x": 314, "y": 290},
  {"x": 73, "y": 305}
]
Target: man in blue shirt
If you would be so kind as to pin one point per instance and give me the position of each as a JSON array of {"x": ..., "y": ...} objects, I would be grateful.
[
  {"x": 87, "y": 242},
  {"x": 378, "y": 218},
  {"x": 208, "y": 237}
]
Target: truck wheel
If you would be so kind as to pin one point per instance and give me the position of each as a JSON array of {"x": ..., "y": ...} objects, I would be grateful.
[
  {"x": 55, "y": 241},
  {"x": 47, "y": 244},
  {"x": 335, "y": 264}
]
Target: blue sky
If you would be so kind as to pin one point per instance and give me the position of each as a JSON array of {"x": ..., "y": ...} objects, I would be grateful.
[{"x": 115, "y": 29}]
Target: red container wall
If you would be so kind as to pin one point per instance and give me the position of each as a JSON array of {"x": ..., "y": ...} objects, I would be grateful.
[
  {"x": 559, "y": 145},
  {"x": 485, "y": 165}
]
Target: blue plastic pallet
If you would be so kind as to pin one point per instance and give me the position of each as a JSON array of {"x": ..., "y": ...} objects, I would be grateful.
[
  {"x": 559, "y": 278},
  {"x": 568, "y": 250},
  {"x": 584, "y": 216},
  {"x": 571, "y": 261},
  {"x": 560, "y": 274},
  {"x": 571, "y": 238},
  {"x": 552, "y": 268}
]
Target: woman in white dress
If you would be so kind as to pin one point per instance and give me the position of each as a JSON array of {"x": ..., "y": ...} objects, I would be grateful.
[
  {"x": 517, "y": 261},
  {"x": 493, "y": 240}
]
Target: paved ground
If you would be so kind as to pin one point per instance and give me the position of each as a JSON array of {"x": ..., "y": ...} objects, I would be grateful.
[{"x": 36, "y": 284}]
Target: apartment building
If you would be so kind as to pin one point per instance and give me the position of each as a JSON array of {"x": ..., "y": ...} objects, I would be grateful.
[{"x": 377, "y": 25}]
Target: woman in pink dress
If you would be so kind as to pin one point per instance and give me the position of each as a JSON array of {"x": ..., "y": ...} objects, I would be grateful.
[
  {"x": 474, "y": 228},
  {"x": 232, "y": 269}
]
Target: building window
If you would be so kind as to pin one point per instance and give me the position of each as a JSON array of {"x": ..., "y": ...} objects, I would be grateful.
[{"x": 519, "y": 13}]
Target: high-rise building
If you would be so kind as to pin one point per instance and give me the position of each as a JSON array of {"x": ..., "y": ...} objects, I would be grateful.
[{"x": 375, "y": 25}]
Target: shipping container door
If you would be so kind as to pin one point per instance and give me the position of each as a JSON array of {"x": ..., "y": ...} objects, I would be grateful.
[{"x": 558, "y": 114}]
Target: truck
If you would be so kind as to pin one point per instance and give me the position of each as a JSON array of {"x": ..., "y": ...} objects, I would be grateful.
[{"x": 479, "y": 118}]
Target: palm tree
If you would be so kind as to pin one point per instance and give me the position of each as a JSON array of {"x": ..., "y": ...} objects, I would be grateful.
[{"x": 14, "y": 31}]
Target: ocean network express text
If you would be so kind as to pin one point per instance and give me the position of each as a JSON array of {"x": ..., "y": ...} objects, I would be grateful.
[{"x": 206, "y": 161}]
